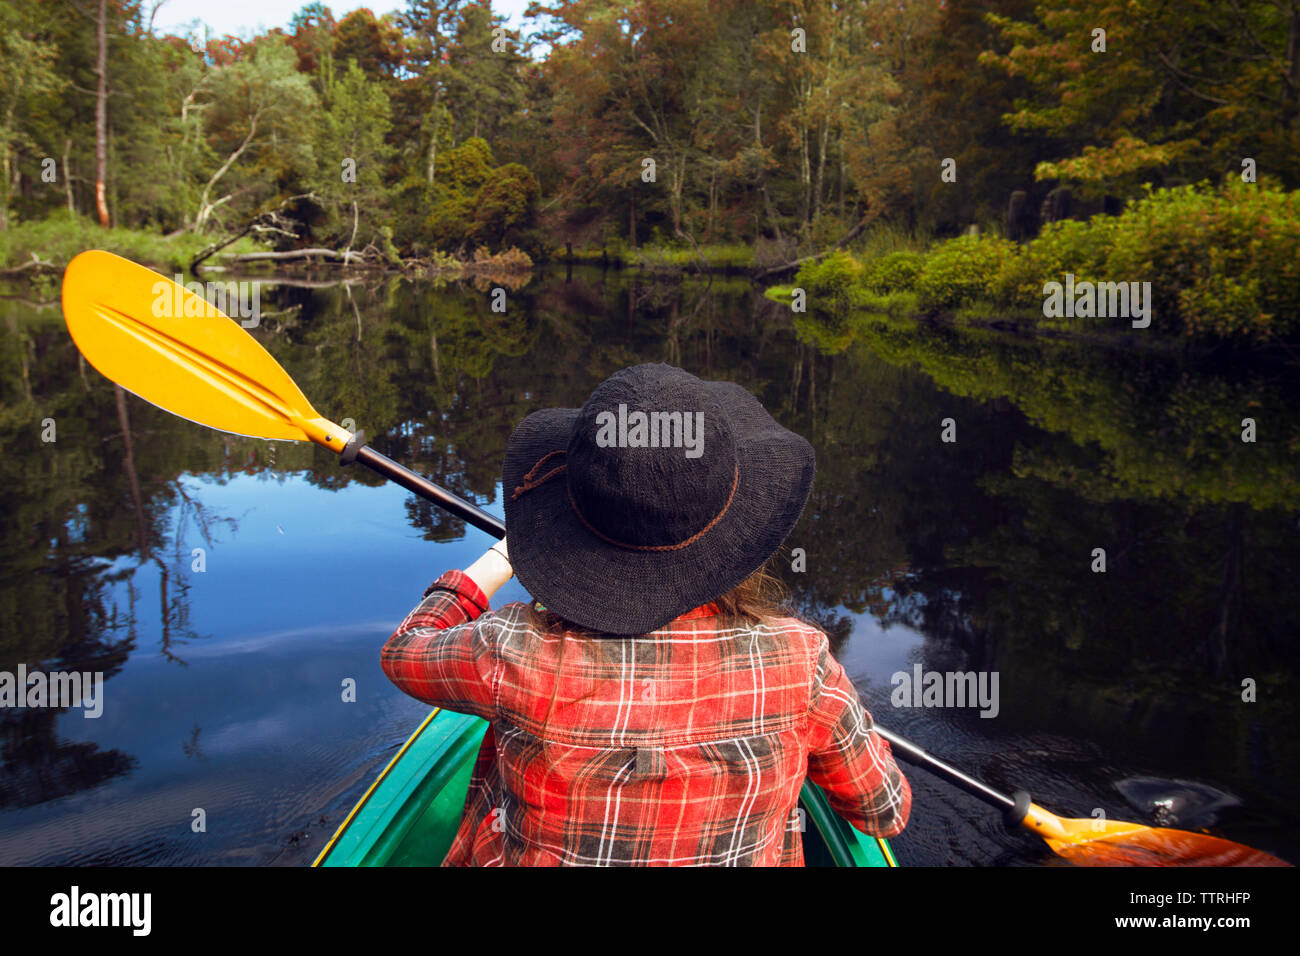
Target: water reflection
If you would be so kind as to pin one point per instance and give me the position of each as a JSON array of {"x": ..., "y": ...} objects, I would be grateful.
[{"x": 973, "y": 555}]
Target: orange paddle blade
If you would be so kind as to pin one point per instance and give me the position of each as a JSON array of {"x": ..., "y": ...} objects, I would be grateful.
[{"x": 1115, "y": 843}]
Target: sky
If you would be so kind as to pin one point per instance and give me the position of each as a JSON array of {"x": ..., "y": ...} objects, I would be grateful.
[{"x": 248, "y": 17}]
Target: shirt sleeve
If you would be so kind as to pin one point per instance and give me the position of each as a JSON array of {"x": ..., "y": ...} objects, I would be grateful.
[
  {"x": 848, "y": 759},
  {"x": 441, "y": 653}
]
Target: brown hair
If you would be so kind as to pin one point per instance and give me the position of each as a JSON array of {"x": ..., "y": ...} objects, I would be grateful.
[{"x": 760, "y": 597}]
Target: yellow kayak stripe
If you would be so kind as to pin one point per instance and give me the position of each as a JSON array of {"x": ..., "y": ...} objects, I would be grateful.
[
  {"x": 889, "y": 854},
  {"x": 378, "y": 780}
]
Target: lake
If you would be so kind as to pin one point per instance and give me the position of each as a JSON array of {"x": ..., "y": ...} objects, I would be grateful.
[{"x": 229, "y": 588}]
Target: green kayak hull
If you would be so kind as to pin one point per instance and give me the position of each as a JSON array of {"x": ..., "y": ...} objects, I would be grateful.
[{"x": 410, "y": 814}]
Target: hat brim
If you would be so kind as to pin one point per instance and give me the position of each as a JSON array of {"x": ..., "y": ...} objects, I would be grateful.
[{"x": 601, "y": 586}]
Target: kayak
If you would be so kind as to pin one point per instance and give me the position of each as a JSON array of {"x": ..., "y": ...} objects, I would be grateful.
[{"x": 410, "y": 814}]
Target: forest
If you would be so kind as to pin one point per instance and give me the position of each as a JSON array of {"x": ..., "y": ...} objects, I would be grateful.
[{"x": 718, "y": 133}]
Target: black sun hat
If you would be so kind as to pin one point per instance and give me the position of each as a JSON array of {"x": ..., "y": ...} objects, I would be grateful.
[{"x": 660, "y": 494}]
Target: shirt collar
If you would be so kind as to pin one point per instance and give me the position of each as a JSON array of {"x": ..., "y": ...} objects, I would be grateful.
[{"x": 704, "y": 610}]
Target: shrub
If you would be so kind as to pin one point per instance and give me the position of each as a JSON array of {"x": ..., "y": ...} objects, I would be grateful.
[
  {"x": 896, "y": 272},
  {"x": 960, "y": 270},
  {"x": 828, "y": 281},
  {"x": 1225, "y": 262},
  {"x": 514, "y": 258},
  {"x": 1018, "y": 281}
]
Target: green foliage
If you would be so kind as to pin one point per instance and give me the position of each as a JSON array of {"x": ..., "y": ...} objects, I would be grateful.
[
  {"x": 260, "y": 131},
  {"x": 1092, "y": 102},
  {"x": 885, "y": 237},
  {"x": 828, "y": 280},
  {"x": 1226, "y": 262},
  {"x": 896, "y": 272},
  {"x": 465, "y": 168},
  {"x": 479, "y": 203},
  {"x": 504, "y": 204},
  {"x": 1223, "y": 264},
  {"x": 29, "y": 76},
  {"x": 1069, "y": 246},
  {"x": 900, "y": 303},
  {"x": 958, "y": 271},
  {"x": 459, "y": 143},
  {"x": 350, "y": 139}
]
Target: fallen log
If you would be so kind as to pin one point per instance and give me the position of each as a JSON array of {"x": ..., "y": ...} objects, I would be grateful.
[
  {"x": 840, "y": 244},
  {"x": 292, "y": 254},
  {"x": 35, "y": 263}
]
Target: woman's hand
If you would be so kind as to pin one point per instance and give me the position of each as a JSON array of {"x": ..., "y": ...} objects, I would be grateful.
[{"x": 491, "y": 570}]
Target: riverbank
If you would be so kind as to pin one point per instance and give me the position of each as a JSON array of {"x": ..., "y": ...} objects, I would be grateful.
[
  {"x": 29, "y": 250},
  {"x": 36, "y": 253},
  {"x": 1198, "y": 262}
]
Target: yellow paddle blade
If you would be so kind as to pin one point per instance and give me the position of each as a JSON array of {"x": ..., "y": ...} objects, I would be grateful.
[
  {"x": 1114, "y": 843},
  {"x": 168, "y": 345}
]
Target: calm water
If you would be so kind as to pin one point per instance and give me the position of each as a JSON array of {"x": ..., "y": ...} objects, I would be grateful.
[{"x": 223, "y": 687}]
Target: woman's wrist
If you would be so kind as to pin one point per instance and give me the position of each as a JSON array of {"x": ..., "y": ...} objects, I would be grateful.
[{"x": 492, "y": 569}]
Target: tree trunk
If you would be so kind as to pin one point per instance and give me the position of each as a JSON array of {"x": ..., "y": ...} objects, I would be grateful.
[
  {"x": 677, "y": 169},
  {"x": 67, "y": 176},
  {"x": 840, "y": 244},
  {"x": 825, "y": 131},
  {"x": 805, "y": 175},
  {"x": 352, "y": 238},
  {"x": 433, "y": 136},
  {"x": 101, "y": 115},
  {"x": 713, "y": 203},
  {"x": 4, "y": 183},
  {"x": 206, "y": 207},
  {"x": 821, "y": 169}
]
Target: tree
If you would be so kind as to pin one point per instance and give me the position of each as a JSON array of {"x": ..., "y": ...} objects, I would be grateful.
[
  {"x": 1183, "y": 89},
  {"x": 376, "y": 45},
  {"x": 29, "y": 78},
  {"x": 259, "y": 128},
  {"x": 352, "y": 152},
  {"x": 431, "y": 22},
  {"x": 483, "y": 80},
  {"x": 312, "y": 37},
  {"x": 504, "y": 203}
]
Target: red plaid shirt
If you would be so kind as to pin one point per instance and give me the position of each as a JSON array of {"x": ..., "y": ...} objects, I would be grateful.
[{"x": 684, "y": 746}]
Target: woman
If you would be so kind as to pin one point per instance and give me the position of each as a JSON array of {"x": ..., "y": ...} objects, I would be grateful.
[{"x": 652, "y": 705}]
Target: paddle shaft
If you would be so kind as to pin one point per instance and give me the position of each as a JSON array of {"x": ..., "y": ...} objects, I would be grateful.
[
  {"x": 440, "y": 496},
  {"x": 383, "y": 465},
  {"x": 913, "y": 754}
]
